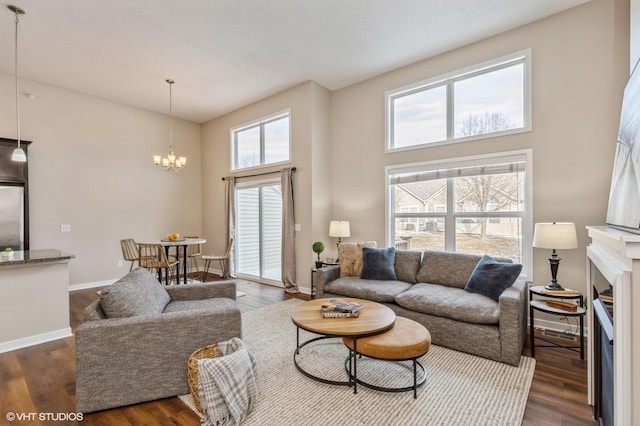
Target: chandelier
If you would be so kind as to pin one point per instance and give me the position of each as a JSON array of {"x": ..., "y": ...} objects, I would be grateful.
[
  {"x": 18, "y": 154},
  {"x": 171, "y": 161}
]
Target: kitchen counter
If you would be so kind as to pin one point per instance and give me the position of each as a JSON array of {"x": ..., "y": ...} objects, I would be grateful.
[
  {"x": 34, "y": 256},
  {"x": 34, "y": 298}
]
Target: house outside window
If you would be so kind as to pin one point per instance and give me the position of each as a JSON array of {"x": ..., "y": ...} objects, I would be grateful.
[
  {"x": 261, "y": 143},
  {"x": 489, "y": 99},
  {"x": 476, "y": 205}
]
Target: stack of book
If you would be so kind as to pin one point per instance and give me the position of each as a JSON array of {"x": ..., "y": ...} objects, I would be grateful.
[
  {"x": 569, "y": 307},
  {"x": 563, "y": 292},
  {"x": 339, "y": 308}
]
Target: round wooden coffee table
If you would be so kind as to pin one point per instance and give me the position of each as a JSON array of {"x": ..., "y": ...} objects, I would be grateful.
[
  {"x": 406, "y": 341},
  {"x": 374, "y": 318}
]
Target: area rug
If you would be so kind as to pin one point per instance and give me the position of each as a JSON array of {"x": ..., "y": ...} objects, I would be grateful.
[{"x": 460, "y": 389}]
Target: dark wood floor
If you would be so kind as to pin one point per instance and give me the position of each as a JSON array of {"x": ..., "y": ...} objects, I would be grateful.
[{"x": 41, "y": 379}]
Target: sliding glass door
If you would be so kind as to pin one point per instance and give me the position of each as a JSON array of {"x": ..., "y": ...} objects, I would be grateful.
[{"x": 259, "y": 231}]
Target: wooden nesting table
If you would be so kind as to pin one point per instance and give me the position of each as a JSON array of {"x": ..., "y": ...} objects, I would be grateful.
[
  {"x": 374, "y": 318},
  {"x": 406, "y": 341}
]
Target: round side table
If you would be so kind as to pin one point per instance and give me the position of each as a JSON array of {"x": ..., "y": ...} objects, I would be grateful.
[{"x": 541, "y": 306}]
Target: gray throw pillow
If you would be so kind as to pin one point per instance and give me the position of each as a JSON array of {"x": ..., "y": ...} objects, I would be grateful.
[
  {"x": 137, "y": 293},
  {"x": 378, "y": 264},
  {"x": 407, "y": 265},
  {"x": 491, "y": 278}
]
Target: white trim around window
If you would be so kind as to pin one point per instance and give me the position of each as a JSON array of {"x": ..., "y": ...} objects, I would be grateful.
[
  {"x": 259, "y": 125},
  {"x": 443, "y": 87},
  {"x": 441, "y": 169}
]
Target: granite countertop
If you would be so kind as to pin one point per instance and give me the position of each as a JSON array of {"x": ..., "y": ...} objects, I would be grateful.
[{"x": 34, "y": 256}]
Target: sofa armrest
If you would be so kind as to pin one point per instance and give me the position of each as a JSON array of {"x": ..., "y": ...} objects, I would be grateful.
[
  {"x": 513, "y": 321},
  {"x": 200, "y": 291},
  {"x": 324, "y": 276},
  {"x": 123, "y": 361}
]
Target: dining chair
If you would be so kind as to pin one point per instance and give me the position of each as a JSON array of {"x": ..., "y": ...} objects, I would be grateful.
[
  {"x": 129, "y": 251},
  {"x": 193, "y": 251},
  {"x": 222, "y": 259},
  {"x": 153, "y": 256}
]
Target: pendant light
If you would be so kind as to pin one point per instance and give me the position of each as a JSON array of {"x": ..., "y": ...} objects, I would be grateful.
[
  {"x": 18, "y": 154},
  {"x": 171, "y": 161}
]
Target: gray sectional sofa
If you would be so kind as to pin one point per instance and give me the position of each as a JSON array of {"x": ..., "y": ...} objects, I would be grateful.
[{"x": 430, "y": 289}]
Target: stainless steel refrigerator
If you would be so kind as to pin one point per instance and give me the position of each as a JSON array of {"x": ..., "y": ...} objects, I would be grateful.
[
  {"x": 12, "y": 224},
  {"x": 14, "y": 198}
]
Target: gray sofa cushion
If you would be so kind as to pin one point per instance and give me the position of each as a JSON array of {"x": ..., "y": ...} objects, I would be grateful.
[
  {"x": 377, "y": 291},
  {"x": 444, "y": 268},
  {"x": 220, "y": 305},
  {"x": 449, "y": 302},
  {"x": 407, "y": 265},
  {"x": 137, "y": 293},
  {"x": 449, "y": 269}
]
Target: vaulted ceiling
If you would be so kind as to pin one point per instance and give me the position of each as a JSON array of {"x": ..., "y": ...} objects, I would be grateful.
[{"x": 224, "y": 54}]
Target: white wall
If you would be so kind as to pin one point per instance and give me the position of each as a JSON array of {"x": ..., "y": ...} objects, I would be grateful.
[
  {"x": 90, "y": 166},
  {"x": 580, "y": 63},
  {"x": 580, "y": 66},
  {"x": 90, "y": 158},
  {"x": 306, "y": 101}
]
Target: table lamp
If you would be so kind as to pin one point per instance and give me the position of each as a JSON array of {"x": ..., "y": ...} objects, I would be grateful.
[
  {"x": 339, "y": 229},
  {"x": 555, "y": 236}
]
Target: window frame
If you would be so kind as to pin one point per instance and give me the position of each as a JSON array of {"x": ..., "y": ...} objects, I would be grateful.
[
  {"x": 450, "y": 217},
  {"x": 448, "y": 80},
  {"x": 260, "y": 123}
]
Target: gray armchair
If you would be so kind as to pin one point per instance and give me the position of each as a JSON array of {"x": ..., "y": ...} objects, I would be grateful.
[{"x": 136, "y": 340}]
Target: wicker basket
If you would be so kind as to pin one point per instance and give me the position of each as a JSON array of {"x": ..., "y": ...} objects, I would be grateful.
[{"x": 210, "y": 351}]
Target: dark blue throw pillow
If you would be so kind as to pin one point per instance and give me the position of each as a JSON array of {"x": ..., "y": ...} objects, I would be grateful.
[
  {"x": 378, "y": 263},
  {"x": 490, "y": 277}
]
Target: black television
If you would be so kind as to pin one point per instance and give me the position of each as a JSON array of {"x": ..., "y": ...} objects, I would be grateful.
[{"x": 623, "y": 211}]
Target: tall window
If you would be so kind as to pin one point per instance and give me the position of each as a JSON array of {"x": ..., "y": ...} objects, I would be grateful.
[
  {"x": 262, "y": 142},
  {"x": 478, "y": 205},
  {"x": 259, "y": 231},
  {"x": 483, "y": 100}
]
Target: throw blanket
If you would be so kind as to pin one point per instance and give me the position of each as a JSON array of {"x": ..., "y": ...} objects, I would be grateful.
[{"x": 227, "y": 384}]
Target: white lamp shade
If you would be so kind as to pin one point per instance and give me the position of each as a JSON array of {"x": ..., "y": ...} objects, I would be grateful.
[
  {"x": 339, "y": 228},
  {"x": 555, "y": 235}
]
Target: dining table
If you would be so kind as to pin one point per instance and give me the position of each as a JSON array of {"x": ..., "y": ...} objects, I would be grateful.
[{"x": 181, "y": 245}]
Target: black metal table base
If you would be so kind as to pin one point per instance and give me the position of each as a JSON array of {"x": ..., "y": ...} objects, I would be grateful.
[
  {"x": 352, "y": 359},
  {"x": 306, "y": 373},
  {"x": 579, "y": 349}
]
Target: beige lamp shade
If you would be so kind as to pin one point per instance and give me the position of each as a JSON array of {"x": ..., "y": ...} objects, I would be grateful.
[
  {"x": 339, "y": 228},
  {"x": 555, "y": 235}
]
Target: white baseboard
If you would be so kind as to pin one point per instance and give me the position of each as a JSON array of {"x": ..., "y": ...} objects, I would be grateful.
[
  {"x": 12, "y": 345},
  {"x": 305, "y": 290},
  {"x": 560, "y": 327},
  {"x": 82, "y": 286}
]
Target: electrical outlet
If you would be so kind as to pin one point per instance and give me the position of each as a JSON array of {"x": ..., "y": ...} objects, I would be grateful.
[
  {"x": 120, "y": 263},
  {"x": 65, "y": 227}
]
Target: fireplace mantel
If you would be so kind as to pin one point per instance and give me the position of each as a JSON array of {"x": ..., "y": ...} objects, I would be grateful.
[{"x": 616, "y": 254}]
